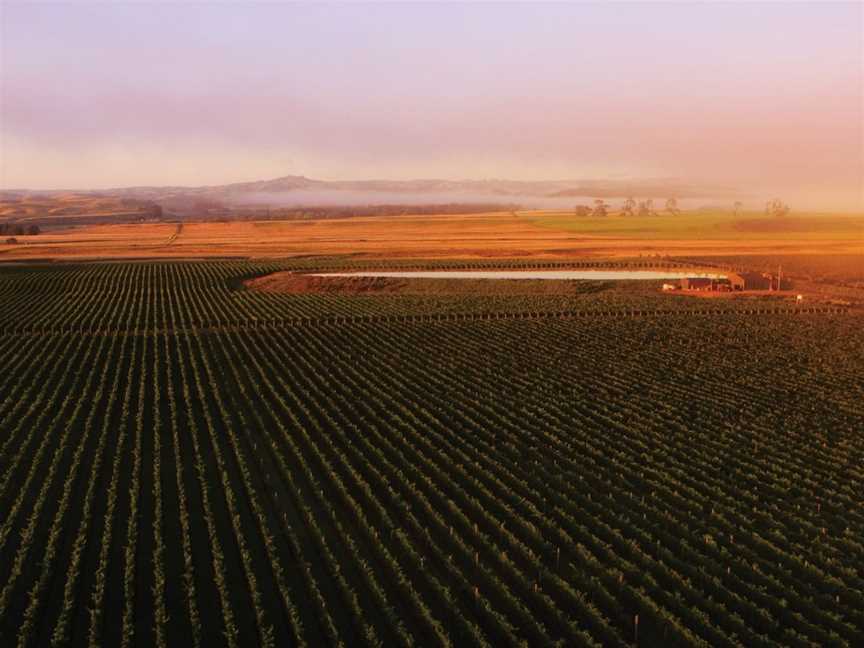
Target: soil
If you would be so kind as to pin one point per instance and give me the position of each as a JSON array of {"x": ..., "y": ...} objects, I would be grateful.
[{"x": 298, "y": 283}]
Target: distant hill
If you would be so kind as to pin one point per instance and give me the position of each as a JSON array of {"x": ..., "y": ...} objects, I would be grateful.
[
  {"x": 296, "y": 191},
  {"x": 652, "y": 188}
]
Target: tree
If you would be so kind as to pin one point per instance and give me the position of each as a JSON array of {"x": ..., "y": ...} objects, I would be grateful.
[
  {"x": 629, "y": 205},
  {"x": 600, "y": 207},
  {"x": 582, "y": 210},
  {"x": 34, "y": 230},
  {"x": 672, "y": 206},
  {"x": 776, "y": 208},
  {"x": 646, "y": 207},
  {"x": 739, "y": 207}
]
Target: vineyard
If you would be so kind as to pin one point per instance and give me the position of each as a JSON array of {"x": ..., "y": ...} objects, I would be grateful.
[{"x": 186, "y": 462}]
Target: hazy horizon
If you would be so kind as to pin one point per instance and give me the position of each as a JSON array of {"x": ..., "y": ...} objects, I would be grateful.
[{"x": 761, "y": 96}]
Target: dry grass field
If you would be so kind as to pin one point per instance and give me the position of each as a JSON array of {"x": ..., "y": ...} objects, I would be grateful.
[
  {"x": 70, "y": 208},
  {"x": 526, "y": 234}
]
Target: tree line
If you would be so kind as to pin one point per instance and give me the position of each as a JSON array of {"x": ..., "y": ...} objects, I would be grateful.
[
  {"x": 343, "y": 211},
  {"x": 632, "y": 207},
  {"x": 11, "y": 231},
  {"x": 7, "y": 229}
]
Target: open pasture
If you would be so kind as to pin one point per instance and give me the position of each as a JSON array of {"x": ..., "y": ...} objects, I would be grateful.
[{"x": 710, "y": 225}]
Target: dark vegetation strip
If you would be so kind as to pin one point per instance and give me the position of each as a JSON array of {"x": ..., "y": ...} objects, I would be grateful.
[{"x": 209, "y": 326}]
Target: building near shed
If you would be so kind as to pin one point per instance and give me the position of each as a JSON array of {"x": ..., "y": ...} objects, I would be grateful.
[
  {"x": 757, "y": 281},
  {"x": 696, "y": 283},
  {"x": 708, "y": 284},
  {"x": 736, "y": 281}
]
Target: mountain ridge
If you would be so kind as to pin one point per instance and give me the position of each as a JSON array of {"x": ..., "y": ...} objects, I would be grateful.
[{"x": 235, "y": 191}]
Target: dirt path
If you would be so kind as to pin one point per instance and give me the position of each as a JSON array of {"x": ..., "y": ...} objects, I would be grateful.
[{"x": 176, "y": 233}]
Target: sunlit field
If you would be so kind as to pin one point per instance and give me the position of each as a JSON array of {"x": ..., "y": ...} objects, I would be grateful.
[
  {"x": 494, "y": 235},
  {"x": 709, "y": 225}
]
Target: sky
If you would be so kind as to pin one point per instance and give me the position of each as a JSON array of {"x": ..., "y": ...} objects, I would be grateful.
[{"x": 762, "y": 96}]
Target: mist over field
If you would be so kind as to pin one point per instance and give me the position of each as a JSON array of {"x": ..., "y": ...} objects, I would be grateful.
[{"x": 304, "y": 198}]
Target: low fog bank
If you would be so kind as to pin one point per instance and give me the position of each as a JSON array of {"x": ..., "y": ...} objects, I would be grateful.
[{"x": 341, "y": 198}]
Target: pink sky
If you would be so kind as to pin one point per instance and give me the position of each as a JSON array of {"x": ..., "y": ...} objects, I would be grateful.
[{"x": 763, "y": 96}]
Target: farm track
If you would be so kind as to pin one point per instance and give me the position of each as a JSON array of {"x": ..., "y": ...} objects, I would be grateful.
[{"x": 183, "y": 463}]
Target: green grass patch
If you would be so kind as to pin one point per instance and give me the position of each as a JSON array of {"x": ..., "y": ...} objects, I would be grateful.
[{"x": 703, "y": 225}]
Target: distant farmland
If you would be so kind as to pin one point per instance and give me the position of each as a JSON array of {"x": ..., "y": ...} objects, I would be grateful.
[
  {"x": 500, "y": 234},
  {"x": 185, "y": 461}
]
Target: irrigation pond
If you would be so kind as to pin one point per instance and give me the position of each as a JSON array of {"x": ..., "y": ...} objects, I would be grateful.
[{"x": 580, "y": 275}]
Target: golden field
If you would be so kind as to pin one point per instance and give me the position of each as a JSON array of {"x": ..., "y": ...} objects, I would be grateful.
[{"x": 523, "y": 234}]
